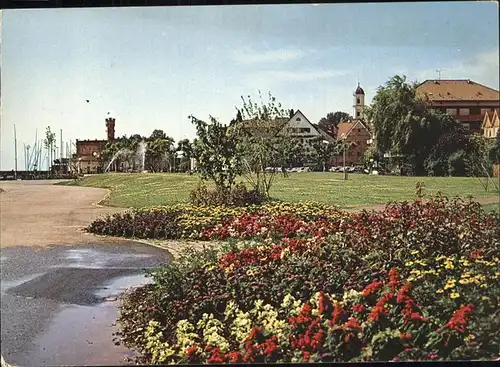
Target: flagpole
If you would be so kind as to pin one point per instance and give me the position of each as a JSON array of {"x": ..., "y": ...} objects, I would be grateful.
[{"x": 15, "y": 153}]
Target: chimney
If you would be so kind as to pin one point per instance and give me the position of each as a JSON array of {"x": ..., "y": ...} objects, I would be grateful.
[{"x": 110, "y": 126}]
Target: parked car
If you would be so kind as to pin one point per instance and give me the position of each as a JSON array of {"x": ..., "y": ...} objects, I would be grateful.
[
  {"x": 334, "y": 169},
  {"x": 303, "y": 169}
]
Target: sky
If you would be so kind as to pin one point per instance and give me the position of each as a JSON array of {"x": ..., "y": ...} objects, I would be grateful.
[{"x": 152, "y": 67}]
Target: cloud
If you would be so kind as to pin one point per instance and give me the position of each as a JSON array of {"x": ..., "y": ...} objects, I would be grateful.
[
  {"x": 250, "y": 56},
  {"x": 270, "y": 79},
  {"x": 482, "y": 68},
  {"x": 302, "y": 76}
]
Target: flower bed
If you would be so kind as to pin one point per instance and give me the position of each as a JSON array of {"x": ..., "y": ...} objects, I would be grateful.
[
  {"x": 218, "y": 222},
  {"x": 413, "y": 282}
]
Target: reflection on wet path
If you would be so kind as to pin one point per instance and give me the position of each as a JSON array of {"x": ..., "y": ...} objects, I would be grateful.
[{"x": 59, "y": 305}]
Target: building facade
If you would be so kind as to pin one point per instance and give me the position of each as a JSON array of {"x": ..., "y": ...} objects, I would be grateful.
[
  {"x": 491, "y": 123},
  {"x": 355, "y": 132},
  {"x": 465, "y": 100},
  {"x": 88, "y": 152},
  {"x": 356, "y": 135}
]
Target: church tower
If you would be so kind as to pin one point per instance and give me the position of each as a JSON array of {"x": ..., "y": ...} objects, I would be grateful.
[{"x": 359, "y": 103}]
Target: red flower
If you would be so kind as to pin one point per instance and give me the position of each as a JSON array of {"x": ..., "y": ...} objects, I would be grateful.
[
  {"x": 406, "y": 336},
  {"x": 358, "y": 308},
  {"x": 270, "y": 346},
  {"x": 306, "y": 356},
  {"x": 254, "y": 332},
  {"x": 372, "y": 288},
  {"x": 216, "y": 356},
  {"x": 338, "y": 314},
  {"x": 306, "y": 310},
  {"x": 191, "y": 351},
  {"x": 459, "y": 320},
  {"x": 476, "y": 253},
  {"x": 352, "y": 323},
  {"x": 404, "y": 293},
  {"x": 432, "y": 356},
  {"x": 393, "y": 278},
  {"x": 376, "y": 313},
  {"x": 415, "y": 316}
]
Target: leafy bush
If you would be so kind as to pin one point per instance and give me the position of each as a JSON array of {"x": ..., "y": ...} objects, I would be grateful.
[
  {"x": 237, "y": 195},
  {"x": 389, "y": 285}
]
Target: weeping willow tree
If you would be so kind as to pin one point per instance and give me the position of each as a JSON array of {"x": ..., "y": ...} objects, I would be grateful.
[{"x": 406, "y": 125}]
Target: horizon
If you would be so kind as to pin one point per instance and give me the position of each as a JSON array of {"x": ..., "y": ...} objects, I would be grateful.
[{"x": 152, "y": 67}]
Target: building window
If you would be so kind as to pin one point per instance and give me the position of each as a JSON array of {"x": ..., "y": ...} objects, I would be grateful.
[
  {"x": 359, "y": 130},
  {"x": 305, "y": 130},
  {"x": 358, "y": 101},
  {"x": 464, "y": 111},
  {"x": 484, "y": 110},
  {"x": 466, "y": 126},
  {"x": 475, "y": 111},
  {"x": 357, "y": 113},
  {"x": 451, "y": 111},
  {"x": 298, "y": 119}
]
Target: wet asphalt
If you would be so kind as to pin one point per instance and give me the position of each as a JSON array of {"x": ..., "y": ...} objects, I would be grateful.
[{"x": 59, "y": 304}]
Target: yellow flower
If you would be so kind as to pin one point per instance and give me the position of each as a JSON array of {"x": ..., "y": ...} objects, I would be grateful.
[
  {"x": 410, "y": 279},
  {"x": 409, "y": 263},
  {"x": 449, "y": 265},
  {"x": 415, "y": 271},
  {"x": 450, "y": 284},
  {"x": 440, "y": 291},
  {"x": 485, "y": 298},
  {"x": 454, "y": 295}
]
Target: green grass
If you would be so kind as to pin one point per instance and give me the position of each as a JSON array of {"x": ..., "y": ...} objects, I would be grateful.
[
  {"x": 138, "y": 190},
  {"x": 492, "y": 207}
]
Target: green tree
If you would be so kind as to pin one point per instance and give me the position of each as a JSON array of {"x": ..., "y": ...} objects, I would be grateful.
[
  {"x": 158, "y": 134},
  {"x": 406, "y": 125},
  {"x": 49, "y": 144},
  {"x": 323, "y": 152},
  {"x": 329, "y": 123},
  {"x": 160, "y": 153},
  {"x": 263, "y": 142},
  {"x": 186, "y": 148},
  {"x": 216, "y": 153}
]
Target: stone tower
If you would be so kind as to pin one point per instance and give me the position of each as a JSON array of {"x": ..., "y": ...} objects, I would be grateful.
[
  {"x": 110, "y": 128},
  {"x": 359, "y": 103}
]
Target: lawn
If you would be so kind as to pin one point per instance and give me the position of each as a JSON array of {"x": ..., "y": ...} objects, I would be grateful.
[{"x": 139, "y": 190}]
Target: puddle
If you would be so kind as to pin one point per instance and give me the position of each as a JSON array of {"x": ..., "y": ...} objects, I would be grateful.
[
  {"x": 92, "y": 259},
  {"x": 5, "y": 285},
  {"x": 118, "y": 285},
  {"x": 81, "y": 335}
]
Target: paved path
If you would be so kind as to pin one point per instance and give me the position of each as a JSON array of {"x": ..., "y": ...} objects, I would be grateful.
[
  {"x": 58, "y": 285},
  {"x": 39, "y": 213}
]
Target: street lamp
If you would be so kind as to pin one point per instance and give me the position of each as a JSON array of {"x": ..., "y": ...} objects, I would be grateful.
[{"x": 344, "y": 168}]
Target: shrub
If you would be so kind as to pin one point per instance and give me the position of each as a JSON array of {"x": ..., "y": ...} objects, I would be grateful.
[{"x": 237, "y": 196}]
